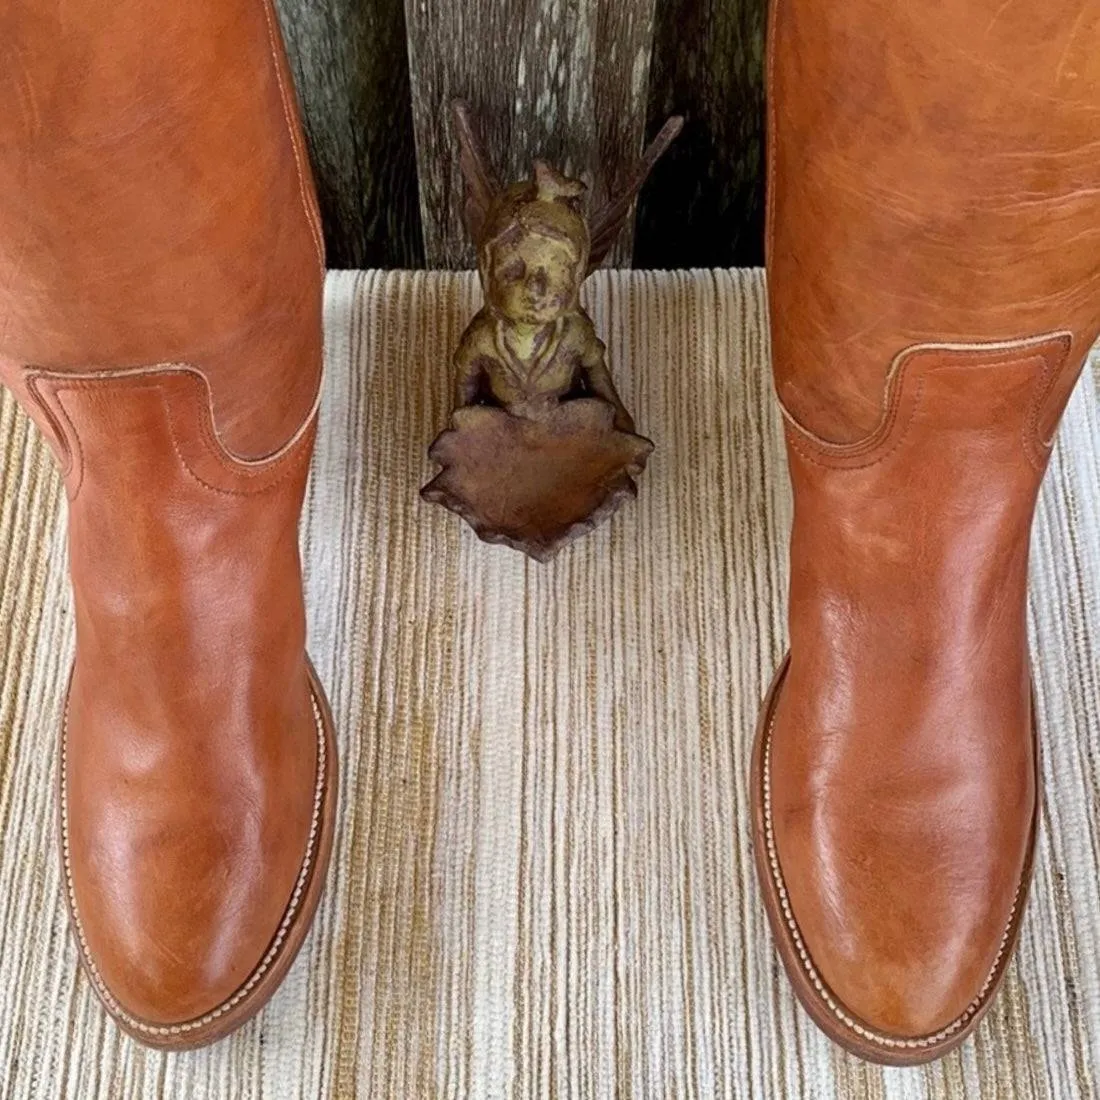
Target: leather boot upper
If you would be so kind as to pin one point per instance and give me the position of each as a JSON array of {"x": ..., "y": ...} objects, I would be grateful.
[
  {"x": 160, "y": 318},
  {"x": 902, "y": 772},
  {"x": 191, "y": 741},
  {"x": 156, "y": 204},
  {"x": 934, "y": 279}
]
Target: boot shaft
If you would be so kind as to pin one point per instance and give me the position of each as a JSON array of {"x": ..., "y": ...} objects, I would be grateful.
[
  {"x": 156, "y": 206},
  {"x": 932, "y": 179}
]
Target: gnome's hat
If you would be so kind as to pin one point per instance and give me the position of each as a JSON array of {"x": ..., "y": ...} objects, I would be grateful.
[{"x": 547, "y": 205}]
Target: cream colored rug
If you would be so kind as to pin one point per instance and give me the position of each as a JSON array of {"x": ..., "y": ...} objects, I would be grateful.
[{"x": 542, "y": 884}]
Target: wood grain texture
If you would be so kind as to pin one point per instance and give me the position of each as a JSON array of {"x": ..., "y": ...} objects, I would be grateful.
[
  {"x": 351, "y": 70},
  {"x": 542, "y": 884},
  {"x": 704, "y": 205},
  {"x": 563, "y": 79}
]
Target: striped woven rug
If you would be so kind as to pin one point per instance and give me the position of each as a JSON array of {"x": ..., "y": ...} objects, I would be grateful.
[{"x": 542, "y": 884}]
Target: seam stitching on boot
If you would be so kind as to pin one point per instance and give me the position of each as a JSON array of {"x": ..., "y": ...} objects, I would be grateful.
[
  {"x": 290, "y": 461},
  {"x": 284, "y": 99},
  {"x": 795, "y": 436},
  {"x": 894, "y": 386},
  {"x": 77, "y": 381},
  {"x": 1038, "y": 449}
]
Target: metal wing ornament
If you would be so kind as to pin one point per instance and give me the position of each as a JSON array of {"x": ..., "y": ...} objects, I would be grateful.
[{"x": 541, "y": 448}]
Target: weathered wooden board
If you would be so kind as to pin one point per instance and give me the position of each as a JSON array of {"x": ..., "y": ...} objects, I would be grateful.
[
  {"x": 563, "y": 79},
  {"x": 704, "y": 204},
  {"x": 350, "y": 65},
  {"x": 569, "y": 79}
]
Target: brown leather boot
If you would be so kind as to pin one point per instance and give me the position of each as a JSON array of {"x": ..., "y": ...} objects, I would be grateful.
[
  {"x": 160, "y": 318},
  {"x": 934, "y": 267}
]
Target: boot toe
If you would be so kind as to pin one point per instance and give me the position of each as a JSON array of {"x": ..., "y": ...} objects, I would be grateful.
[
  {"x": 171, "y": 954},
  {"x": 189, "y": 908},
  {"x": 165, "y": 956},
  {"x": 892, "y": 978},
  {"x": 907, "y": 980},
  {"x": 895, "y": 901}
]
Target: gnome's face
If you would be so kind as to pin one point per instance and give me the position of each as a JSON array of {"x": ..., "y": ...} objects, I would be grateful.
[{"x": 533, "y": 278}]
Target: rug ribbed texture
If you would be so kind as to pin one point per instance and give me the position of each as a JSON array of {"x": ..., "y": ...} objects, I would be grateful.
[{"x": 542, "y": 884}]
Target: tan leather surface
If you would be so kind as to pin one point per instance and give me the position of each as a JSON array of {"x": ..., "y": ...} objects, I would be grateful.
[
  {"x": 933, "y": 183},
  {"x": 903, "y": 781},
  {"x": 932, "y": 176},
  {"x": 191, "y": 741},
  {"x": 156, "y": 205},
  {"x": 160, "y": 318}
]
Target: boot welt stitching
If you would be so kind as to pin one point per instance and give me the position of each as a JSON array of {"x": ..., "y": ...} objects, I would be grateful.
[
  {"x": 280, "y": 935},
  {"x": 811, "y": 971}
]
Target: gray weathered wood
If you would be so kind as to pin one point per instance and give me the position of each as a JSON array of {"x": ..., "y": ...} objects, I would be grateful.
[
  {"x": 563, "y": 79},
  {"x": 350, "y": 65},
  {"x": 704, "y": 205}
]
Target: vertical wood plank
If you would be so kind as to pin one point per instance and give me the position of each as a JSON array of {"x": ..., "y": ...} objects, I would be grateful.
[
  {"x": 563, "y": 79},
  {"x": 704, "y": 205},
  {"x": 351, "y": 68}
]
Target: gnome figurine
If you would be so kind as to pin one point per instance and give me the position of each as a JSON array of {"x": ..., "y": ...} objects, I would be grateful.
[{"x": 541, "y": 448}]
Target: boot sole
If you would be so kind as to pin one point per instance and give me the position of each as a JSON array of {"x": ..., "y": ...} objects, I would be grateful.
[
  {"x": 258, "y": 988},
  {"x": 831, "y": 1016}
]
